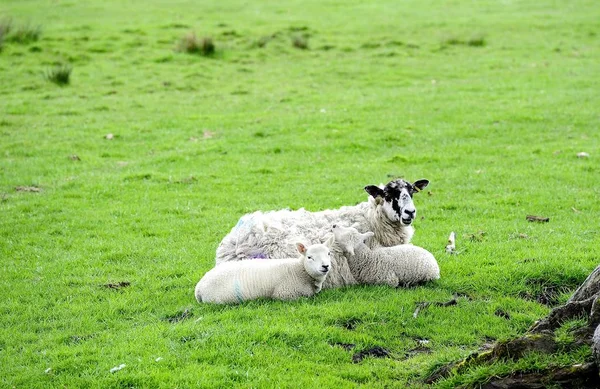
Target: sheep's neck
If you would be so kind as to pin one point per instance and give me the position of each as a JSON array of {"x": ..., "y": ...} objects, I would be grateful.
[{"x": 387, "y": 232}]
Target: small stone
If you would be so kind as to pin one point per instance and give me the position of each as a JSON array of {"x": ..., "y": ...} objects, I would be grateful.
[
  {"x": 583, "y": 154},
  {"x": 109, "y": 136},
  {"x": 117, "y": 368}
]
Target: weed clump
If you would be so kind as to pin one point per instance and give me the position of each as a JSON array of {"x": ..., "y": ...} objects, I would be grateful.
[
  {"x": 25, "y": 33},
  {"x": 191, "y": 44},
  {"x": 60, "y": 74},
  {"x": 474, "y": 41},
  {"x": 300, "y": 42}
]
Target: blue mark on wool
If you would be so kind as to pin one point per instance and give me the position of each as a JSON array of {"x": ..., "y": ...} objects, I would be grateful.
[
  {"x": 237, "y": 290},
  {"x": 259, "y": 256}
]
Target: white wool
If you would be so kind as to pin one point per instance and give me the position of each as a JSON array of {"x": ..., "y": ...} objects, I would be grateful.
[
  {"x": 272, "y": 234},
  {"x": 402, "y": 265},
  {"x": 282, "y": 279}
]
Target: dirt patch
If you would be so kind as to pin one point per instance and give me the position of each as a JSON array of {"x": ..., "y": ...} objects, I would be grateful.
[
  {"x": 30, "y": 189},
  {"x": 118, "y": 285},
  {"x": 422, "y": 305},
  {"x": 179, "y": 316},
  {"x": 377, "y": 352},
  {"x": 349, "y": 323},
  {"x": 417, "y": 350},
  {"x": 345, "y": 346},
  {"x": 502, "y": 313},
  {"x": 538, "y": 219},
  {"x": 488, "y": 344},
  {"x": 77, "y": 339}
]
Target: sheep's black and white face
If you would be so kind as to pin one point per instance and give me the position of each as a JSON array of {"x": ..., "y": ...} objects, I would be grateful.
[{"x": 397, "y": 199}]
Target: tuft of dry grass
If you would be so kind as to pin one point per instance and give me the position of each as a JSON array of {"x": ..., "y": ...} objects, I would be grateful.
[
  {"x": 5, "y": 26},
  {"x": 24, "y": 33},
  {"x": 191, "y": 44},
  {"x": 60, "y": 74}
]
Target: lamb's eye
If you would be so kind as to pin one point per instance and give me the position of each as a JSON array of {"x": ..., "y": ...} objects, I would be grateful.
[
  {"x": 309, "y": 257},
  {"x": 329, "y": 253}
]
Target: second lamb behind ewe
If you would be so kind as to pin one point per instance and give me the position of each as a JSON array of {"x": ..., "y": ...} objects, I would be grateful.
[
  {"x": 282, "y": 279},
  {"x": 402, "y": 265}
]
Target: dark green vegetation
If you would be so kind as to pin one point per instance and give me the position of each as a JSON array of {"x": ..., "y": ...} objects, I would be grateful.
[
  {"x": 59, "y": 74},
  {"x": 116, "y": 189}
]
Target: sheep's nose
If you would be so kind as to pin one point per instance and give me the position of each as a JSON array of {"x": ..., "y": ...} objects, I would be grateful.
[
  {"x": 325, "y": 267},
  {"x": 411, "y": 214}
]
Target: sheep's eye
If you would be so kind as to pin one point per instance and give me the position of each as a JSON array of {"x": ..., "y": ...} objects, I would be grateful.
[
  {"x": 329, "y": 253},
  {"x": 309, "y": 257}
]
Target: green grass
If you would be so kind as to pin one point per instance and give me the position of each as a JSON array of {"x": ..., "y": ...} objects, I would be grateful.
[{"x": 489, "y": 100}]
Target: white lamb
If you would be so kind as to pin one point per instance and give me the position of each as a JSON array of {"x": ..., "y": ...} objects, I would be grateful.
[
  {"x": 402, "y": 265},
  {"x": 282, "y": 279},
  {"x": 389, "y": 213}
]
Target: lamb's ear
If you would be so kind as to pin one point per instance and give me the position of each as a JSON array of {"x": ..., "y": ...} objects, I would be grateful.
[
  {"x": 419, "y": 185},
  {"x": 367, "y": 235},
  {"x": 374, "y": 191},
  {"x": 301, "y": 248},
  {"x": 329, "y": 243}
]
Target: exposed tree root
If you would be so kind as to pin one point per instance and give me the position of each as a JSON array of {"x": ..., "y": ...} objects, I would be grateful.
[
  {"x": 584, "y": 302},
  {"x": 583, "y": 376}
]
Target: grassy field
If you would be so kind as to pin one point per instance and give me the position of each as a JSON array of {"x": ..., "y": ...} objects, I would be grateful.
[{"x": 124, "y": 160}]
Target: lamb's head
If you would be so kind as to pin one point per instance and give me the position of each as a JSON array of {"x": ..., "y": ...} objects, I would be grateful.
[
  {"x": 397, "y": 199},
  {"x": 316, "y": 258},
  {"x": 349, "y": 237}
]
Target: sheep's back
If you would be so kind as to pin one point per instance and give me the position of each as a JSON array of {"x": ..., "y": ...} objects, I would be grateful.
[
  {"x": 410, "y": 264},
  {"x": 413, "y": 263}
]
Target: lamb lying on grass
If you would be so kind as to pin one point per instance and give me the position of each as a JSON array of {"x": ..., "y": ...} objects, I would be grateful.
[
  {"x": 402, "y": 265},
  {"x": 282, "y": 279}
]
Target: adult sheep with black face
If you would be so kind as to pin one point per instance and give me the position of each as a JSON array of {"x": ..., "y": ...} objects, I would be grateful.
[{"x": 389, "y": 212}]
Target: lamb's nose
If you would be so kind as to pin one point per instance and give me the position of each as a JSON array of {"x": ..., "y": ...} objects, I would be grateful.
[{"x": 325, "y": 267}]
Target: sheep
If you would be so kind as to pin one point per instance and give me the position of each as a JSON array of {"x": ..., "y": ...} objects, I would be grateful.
[
  {"x": 282, "y": 279},
  {"x": 389, "y": 213},
  {"x": 402, "y": 265}
]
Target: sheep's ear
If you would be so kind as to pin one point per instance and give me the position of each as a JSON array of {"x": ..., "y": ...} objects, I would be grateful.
[
  {"x": 301, "y": 248},
  {"x": 367, "y": 235},
  {"x": 374, "y": 191},
  {"x": 329, "y": 243},
  {"x": 419, "y": 185}
]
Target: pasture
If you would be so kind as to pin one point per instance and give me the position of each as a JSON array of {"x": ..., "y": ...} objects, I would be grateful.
[{"x": 133, "y": 135}]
